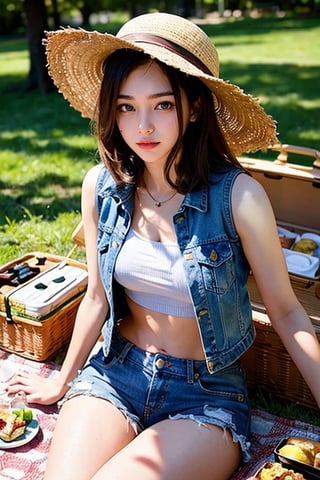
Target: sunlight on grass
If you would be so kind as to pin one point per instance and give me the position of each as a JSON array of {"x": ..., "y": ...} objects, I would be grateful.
[
  {"x": 36, "y": 234},
  {"x": 13, "y": 134},
  {"x": 17, "y": 62},
  {"x": 287, "y": 45}
]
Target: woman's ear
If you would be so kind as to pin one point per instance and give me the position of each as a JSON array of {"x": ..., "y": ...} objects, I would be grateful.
[{"x": 195, "y": 110}]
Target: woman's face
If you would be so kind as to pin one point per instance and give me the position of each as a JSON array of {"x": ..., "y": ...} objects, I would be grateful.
[{"x": 147, "y": 114}]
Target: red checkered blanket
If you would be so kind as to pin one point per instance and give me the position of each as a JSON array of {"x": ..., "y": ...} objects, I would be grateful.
[{"x": 28, "y": 461}]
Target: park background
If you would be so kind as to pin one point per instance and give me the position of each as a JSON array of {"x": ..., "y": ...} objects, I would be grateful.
[{"x": 272, "y": 50}]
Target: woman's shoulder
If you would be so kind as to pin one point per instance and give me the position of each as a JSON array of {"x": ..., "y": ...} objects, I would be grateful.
[
  {"x": 94, "y": 173},
  {"x": 245, "y": 185},
  {"x": 250, "y": 204},
  {"x": 97, "y": 178}
]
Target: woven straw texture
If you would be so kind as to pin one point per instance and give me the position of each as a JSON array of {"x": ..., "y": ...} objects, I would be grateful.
[
  {"x": 75, "y": 58},
  {"x": 268, "y": 365},
  {"x": 39, "y": 340},
  {"x": 34, "y": 339}
]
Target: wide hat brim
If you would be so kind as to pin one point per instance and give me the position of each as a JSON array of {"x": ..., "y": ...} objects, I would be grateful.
[{"x": 75, "y": 59}]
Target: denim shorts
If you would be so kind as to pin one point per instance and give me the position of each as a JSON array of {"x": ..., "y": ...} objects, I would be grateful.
[{"x": 150, "y": 387}]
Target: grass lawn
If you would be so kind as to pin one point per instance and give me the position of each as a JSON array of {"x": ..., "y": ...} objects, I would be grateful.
[{"x": 46, "y": 147}]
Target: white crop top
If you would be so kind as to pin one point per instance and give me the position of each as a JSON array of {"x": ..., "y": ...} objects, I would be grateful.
[{"x": 153, "y": 276}]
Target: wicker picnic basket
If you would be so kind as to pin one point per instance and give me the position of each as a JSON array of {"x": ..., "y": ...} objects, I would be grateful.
[
  {"x": 269, "y": 366},
  {"x": 39, "y": 339},
  {"x": 294, "y": 192}
]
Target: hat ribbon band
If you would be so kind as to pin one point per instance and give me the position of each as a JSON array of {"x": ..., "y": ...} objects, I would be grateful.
[{"x": 167, "y": 44}]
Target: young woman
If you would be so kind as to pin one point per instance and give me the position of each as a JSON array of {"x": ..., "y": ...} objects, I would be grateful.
[{"x": 172, "y": 226}]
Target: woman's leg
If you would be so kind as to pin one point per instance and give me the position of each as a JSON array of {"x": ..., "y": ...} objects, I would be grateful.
[
  {"x": 175, "y": 450},
  {"x": 89, "y": 431}
]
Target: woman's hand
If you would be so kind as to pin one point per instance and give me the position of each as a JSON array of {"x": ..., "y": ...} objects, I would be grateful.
[{"x": 37, "y": 389}]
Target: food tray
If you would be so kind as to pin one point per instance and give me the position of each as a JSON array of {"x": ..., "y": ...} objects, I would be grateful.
[{"x": 308, "y": 471}]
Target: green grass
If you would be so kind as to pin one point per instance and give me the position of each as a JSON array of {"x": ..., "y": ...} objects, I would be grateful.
[
  {"x": 278, "y": 61},
  {"x": 45, "y": 150},
  {"x": 46, "y": 147},
  {"x": 263, "y": 400}
]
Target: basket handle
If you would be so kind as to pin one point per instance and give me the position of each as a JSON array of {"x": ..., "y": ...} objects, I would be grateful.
[
  {"x": 285, "y": 149},
  {"x": 78, "y": 238}
]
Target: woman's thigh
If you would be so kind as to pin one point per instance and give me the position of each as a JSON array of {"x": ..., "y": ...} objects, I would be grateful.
[
  {"x": 175, "y": 450},
  {"x": 89, "y": 431}
]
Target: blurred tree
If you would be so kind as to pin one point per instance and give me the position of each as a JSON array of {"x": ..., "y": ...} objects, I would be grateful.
[
  {"x": 11, "y": 19},
  {"x": 55, "y": 14},
  {"x": 36, "y": 24},
  {"x": 87, "y": 7},
  {"x": 186, "y": 8}
]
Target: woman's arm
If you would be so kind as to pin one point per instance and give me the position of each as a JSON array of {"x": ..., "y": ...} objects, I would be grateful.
[
  {"x": 93, "y": 308},
  {"x": 256, "y": 225},
  {"x": 90, "y": 316}
]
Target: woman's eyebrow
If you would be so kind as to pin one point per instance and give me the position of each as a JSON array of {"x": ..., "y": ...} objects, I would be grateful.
[{"x": 154, "y": 95}]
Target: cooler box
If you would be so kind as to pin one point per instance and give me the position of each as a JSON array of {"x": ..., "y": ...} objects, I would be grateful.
[
  {"x": 39, "y": 298},
  {"x": 294, "y": 192}
]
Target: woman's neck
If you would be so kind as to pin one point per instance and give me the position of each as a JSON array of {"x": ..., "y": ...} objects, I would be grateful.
[{"x": 155, "y": 182}]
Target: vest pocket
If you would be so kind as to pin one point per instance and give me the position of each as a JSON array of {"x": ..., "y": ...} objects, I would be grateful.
[{"x": 216, "y": 265}]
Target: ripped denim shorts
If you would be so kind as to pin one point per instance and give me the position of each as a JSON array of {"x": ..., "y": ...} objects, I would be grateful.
[{"x": 150, "y": 387}]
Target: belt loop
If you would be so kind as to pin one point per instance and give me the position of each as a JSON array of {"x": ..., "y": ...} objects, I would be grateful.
[
  {"x": 190, "y": 371},
  {"x": 124, "y": 352}
]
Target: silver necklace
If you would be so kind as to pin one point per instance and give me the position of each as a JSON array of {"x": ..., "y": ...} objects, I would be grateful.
[{"x": 156, "y": 202}]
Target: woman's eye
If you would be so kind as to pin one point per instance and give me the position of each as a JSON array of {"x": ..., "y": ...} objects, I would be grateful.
[
  {"x": 164, "y": 106},
  {"x": 124, "y": 107}
]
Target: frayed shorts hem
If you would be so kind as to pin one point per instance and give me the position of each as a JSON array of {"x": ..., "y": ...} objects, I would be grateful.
[{"x": 148, "y": 388}]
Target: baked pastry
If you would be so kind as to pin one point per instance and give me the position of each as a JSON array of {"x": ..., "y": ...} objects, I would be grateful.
[
  {"x": 298, "y": 453},
  {"x": 286, "y": 242},
  {"x": 303, "y": 450},
  {"x": 11, "y": 426},
  {"x": 305, "y": 245},
  {"x": 275, "y": 471}
]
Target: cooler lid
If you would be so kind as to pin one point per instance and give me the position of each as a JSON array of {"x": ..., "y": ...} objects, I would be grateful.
[{"x": 293, "y": 189}]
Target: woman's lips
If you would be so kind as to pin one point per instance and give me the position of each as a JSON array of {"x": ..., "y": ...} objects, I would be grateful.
[{"x": 147, "y": 145}]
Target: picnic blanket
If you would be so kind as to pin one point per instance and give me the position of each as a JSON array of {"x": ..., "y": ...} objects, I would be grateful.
[{"x": 28, "y": 461}]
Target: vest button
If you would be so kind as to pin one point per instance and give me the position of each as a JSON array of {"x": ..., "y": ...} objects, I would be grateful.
[
  {"x": 214, "y": 256},
  {"x": 211, "y": 366},
  {"x": 115, "y": 244},
  {"x": 179, "y": 219}
]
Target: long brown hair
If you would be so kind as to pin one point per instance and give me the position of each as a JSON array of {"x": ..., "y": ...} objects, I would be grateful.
[{"x": 203, "y": 147}]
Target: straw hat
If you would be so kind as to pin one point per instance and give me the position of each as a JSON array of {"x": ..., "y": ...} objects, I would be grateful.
[{"x": 75, "y": 58}]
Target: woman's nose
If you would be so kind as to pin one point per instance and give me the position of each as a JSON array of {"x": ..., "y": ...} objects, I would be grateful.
[{"x": 145, "y": 127}]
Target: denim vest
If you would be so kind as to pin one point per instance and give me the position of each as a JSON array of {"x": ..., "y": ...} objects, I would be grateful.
[{"x": 215, "y": 265}]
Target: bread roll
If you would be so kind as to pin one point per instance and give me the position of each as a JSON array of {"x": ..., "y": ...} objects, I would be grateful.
[
  {"x": 305, "y": 245},
  {"x": 302, "y": 449},
  {"x": 296, "y": 452}
]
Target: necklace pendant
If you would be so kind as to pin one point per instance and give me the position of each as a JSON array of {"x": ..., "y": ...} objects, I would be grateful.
[{"x": 158, "y": 204}]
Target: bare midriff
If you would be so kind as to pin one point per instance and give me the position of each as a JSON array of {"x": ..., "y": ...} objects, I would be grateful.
[{"x": 161, "y": 333}]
